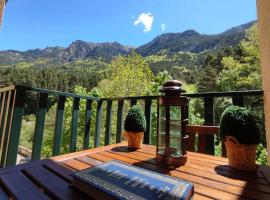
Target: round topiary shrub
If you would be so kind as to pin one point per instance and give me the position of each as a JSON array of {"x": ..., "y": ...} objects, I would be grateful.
[
  {"x": 135, "y": 120},
  {"x": 238, "y": 122}
]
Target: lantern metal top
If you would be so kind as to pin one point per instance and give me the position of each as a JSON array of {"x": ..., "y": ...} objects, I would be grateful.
[{"x": 172, "y": 87}]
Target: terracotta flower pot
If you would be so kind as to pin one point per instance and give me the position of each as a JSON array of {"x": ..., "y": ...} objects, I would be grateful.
[
  {"x": 134, "y": 139},
  {"x": 240, "y": 156}
]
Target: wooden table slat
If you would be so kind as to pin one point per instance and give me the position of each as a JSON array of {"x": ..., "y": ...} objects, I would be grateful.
[
  {"x": 21, "y": 187},
  {"x": 75, "y": 164},
  {"x": 53, "y": 185},
  {"x": 88, "y": 160},
  {"x": 60, "y": 170}
]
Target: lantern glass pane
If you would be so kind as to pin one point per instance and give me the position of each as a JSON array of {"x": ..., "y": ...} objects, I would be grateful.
[
  {"x": 161, "y": 131},
  {"x": 175, "y": 112},
  {"x": 175, "y": 138}
]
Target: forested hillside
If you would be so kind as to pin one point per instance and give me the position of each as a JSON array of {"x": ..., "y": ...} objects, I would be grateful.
[{"x": 184, "y": 55}]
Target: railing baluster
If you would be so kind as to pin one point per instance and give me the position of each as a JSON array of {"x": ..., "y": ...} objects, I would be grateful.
[
  {"x": 119, "y": 121},
  {"x": 2, "y": 107},
  {"x": 133, "y": 102},
  {"x": 148, "y": 116},
  {"x": 87, "y": 123},
  {"x": 98, "y": 123},
  {"x": 59, "y": 122},
  {"x": 4, "y": 120},
  {"x": 238, "y": 100},
  {"x": 74, "y": 124},
  {"x": 7, "y": 132},
  {"x": 17, "y": 116},
  {"x": 108, "y": 122},
  {"x": 39, "y": 126}
]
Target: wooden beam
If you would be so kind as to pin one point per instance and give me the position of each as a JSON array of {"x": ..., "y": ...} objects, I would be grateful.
[{"x": 263, "y": 7}]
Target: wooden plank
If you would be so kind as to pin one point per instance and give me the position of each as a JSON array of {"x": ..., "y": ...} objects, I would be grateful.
[
  {"x": 39, "y": 126},
  {"x": 74, "y": 124},
  {"x": 148, "y": 117},
  {"x": 88, "y": 113},
  {"x": 98, "y": 124},
  {"x": 200, "y": 197},
  {"x": 59, "y": 122},
  {"x": 61, "y": 170},
  {"x": 88, "y": 160},
  {"x": 218, "y": 167},
  {"x": 20, "y": 187},
  {"x": 85, "y": 152},
  {"x": 119, "y": 127},
  {"x": 75, "y": 164},
  {"x": 15, "y": 131},
  {"x": 202, "y": 129},
  {"x": 56, "y": 187},
  {"x": 108, "y": 122}
]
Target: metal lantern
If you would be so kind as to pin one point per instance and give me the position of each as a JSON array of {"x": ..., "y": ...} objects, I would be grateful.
[{"x": 172, "y": 120}]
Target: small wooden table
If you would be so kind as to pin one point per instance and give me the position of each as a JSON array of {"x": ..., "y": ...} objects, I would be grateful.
[{"x": 211, "y": 176}]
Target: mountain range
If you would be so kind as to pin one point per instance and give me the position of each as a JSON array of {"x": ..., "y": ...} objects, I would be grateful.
[{"x": 189, "y": 40}]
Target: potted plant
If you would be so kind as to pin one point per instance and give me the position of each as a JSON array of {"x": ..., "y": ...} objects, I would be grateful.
[
  {"x": 135, "y": 125},
  {"x": 241, "y": 135}
]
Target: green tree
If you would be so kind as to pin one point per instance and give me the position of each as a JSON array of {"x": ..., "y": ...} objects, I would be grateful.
[
  {"x": 127, "y": 76},
  {"x": 241, "y": 70}
]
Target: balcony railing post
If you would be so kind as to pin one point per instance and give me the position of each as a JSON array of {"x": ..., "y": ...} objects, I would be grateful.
[
  {"x": 148, "y": 116},
  {"x": 209, "y": 120},
  {"x": 119, "y": 121},
  {"x": 98, "y": 124},
  {"x": 74, "y": 124},
  {"x": 39, "y": 127},
  {"x": 238, "y": 100},
  {"x": 133, "y": 102},
  {"x": 59, "y": 122},
  {"x": 108, "y": 122},
  {"x": 87, "y": 123},
  {"x": 13, "y": 143}
]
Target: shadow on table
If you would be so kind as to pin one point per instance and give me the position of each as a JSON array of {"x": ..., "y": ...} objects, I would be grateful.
[
  {"x": 254, "y": 183},
  {"x": 148, "y": 163}
]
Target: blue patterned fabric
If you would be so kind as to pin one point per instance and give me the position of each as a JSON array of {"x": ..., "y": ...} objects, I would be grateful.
[{"x": 124, "y": 181}]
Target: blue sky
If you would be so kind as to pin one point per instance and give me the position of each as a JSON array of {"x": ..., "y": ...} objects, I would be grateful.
[{"x": 30, "y": 24}]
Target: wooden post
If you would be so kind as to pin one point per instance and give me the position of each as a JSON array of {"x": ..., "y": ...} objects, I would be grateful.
[{"x": 263, "y": 8}]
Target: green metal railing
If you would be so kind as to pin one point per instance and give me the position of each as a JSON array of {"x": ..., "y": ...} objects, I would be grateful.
[{"x": 14, "y": 98}]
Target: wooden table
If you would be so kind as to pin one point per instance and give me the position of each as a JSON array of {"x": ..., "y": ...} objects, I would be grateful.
[{"x": 212, "y": 178}]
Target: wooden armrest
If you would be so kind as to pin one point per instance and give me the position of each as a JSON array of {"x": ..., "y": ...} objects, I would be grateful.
[{"x": 201, "y": 129}]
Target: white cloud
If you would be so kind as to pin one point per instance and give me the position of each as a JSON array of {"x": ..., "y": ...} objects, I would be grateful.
[
  {"x": 163, "y": 27},
  {"x": 146, "y": 19}
]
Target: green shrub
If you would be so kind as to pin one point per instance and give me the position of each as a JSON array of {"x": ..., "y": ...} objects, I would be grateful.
[
  {"x": 238, "y": 122},
  {"x": 135, "y": 120}
]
